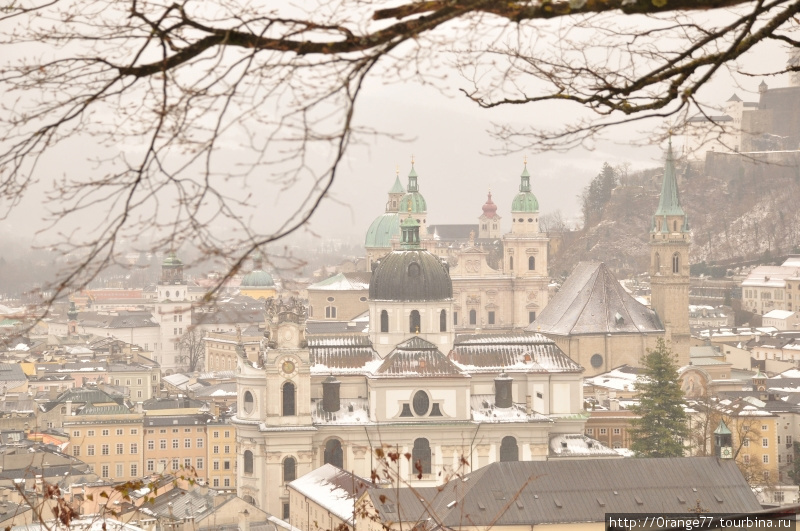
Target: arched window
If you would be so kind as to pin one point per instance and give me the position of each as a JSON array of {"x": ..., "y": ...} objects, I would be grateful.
[
  {"x": 289, "y": 400},
  {"x": 443, "y": 321},
  {"x": 289, "y": 469},
  {"x": 333, "y": 453},
  {"x": 657, "y": 263},
  {"x": 674, "y": 226},
  {"x": 473, "y": 317},
  {"x": 414, "y": 322},
  {"x": 676, "y": 263},
  {"x": 509, "y": 451},
  {"x": 249, "y": 499},
  {"x": 248, "y": 462},
  {"x": 384, "y": 321},
  {"x": 421, "y": 457},
  {"x": 531, "y": 263},
  {"x": 511, "y": 263}
]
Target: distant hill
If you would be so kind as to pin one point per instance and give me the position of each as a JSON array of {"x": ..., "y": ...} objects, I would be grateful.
[{"x": 741, "y": 207}]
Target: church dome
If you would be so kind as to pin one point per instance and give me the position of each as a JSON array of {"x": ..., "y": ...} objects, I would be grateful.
[
  {"x": 410, "y": 275},
  {"x": 383, "y": 229},
  {"x": 489, "y": 208},
  {"x": 413, "y": 202},
  {"x": 171, "y": 260},
  {"x": 257, "y": 279},
  {"x": 525, "y": 201}
]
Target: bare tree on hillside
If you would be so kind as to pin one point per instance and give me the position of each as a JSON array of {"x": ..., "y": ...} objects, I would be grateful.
[{"x": 163, "y": 89}]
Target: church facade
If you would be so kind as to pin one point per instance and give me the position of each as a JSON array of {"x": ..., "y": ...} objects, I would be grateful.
[{"x": 451, "y": 405}]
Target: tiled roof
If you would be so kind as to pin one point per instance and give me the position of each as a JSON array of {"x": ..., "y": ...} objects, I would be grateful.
[
  {"x": 417, "y": 357},
  {"x": 592, "y": 301},
  {"x": 525, "y": 352},
  {"x": 527, "y": 493},
  {"x": 340, "y": 351}
]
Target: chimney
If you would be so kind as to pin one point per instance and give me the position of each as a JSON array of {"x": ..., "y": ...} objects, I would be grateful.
[
  {"x": 502, "y": 391},
  {"x": 69, "y": 408},
  {"x": 330, "y": 394},
  {"x": 244, "y": 521}
]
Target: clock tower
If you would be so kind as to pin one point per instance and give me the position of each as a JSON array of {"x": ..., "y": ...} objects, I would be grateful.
[{"x": 723, "y": 447}]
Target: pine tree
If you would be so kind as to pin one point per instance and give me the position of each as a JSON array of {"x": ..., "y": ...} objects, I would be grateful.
[{"x": 662, "y": 422}]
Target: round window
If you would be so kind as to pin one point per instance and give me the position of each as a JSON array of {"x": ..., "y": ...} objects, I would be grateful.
[
  {"x": 521, "y": 220},
  {"x": 596, "y": 361},
  {"x": 530, "y": 220},
  {"x": 421, "y": 403},
  {"x": 248, "y": 402},
  {"x": 330, "y": 299}
]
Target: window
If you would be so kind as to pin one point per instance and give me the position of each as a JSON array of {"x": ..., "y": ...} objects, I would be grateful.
[
  {"x": 333, "y": 453},
  {"x": 105, "y": 433},
  {"x": 151, "y": 465},
  {"x": 617, "y": 431},
  {"x": 603, "y": 431},
  {"x": 330, "y": 312},
  {"x": 531, "y": 317},
  {"x": 286, "y": 512},
  {"x": 511, "y": 263},
  {"x": 76, "y": 451},
  {"x": 676, "y": 263},
  {"x": 531, "y": 263},
  {"x": 455, "y": 318},
  {"x": 288, "y": 400},
  {"x": 215, "y": 450},
  {"x": 90, "y": 450},
  {"x": 509, "y": 451},
  {"x": 248, "y": 462},
  {"x": 289, "y": 469},
  {"x": 421, "y": 457},
  {"x": 216, "y": 465},
  {"x": 199, "y": 463},
  {"x": 746, "y": 443},
  {"x": 176, "y": 463},
  {"x": 120, "y": 449},
  {"x": 788, "y": 439},
  {"x": 187, "y": 463},
  {"x": 134, "y": 470},
  {"x": 199, "y": 442},
  {"x": 249, "y": 401},
  {"x": 421, "y": 403},
  {"x": 746, "y": 459},
  {"x": 105, "y": 449},
  {"x": 104, "y": 471},
  {"x": 765, "y": 458},
  {"x": 187, "y": 443},
  {"x": 215, "y": 435},
  {"x": 175, "y": 444},
  {"x": 414, "y": 322},
  {"x": 119, "y": 432},
  {"x": 226, "y": 482},
  {"x": 384, "y": 321},
  {"x": 76, "y": 434},
  {"x": 765, "y": 443},
  {"x": 443, "y": 321},
  {"x": 134, "y": 448},
  {"x": 491, "y": 318},
  {"x": 226, "y": 465},
  {"x": 227, "y": 449},
  {"x": 216, "y": 482},
  {"x": 589, "y": 431},
  {"x": 763, "y": 427},
  {"x": 151, "y": 445},
  {"x": 473, "y": 317},
  {"x": 227, "y": 434}
]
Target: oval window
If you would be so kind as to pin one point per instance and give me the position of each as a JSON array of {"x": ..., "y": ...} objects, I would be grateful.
[
  {"x": 413, "y": 269},
  {"x": 248, "y": 402},
  {"x": 168, "y": 294},
  {"x": 421, "y": 403}
]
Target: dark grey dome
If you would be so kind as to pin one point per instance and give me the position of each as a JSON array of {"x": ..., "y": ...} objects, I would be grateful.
[{"x": 410, "y": 275}]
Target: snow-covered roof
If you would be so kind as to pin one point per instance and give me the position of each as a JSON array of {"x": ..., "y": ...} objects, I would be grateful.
[
  {"x": 778, "y": 314},
  {"x": 518, "y": 352},
  {"x": 333, "y": 489},
  {"x": 357, "y": 281},
  {"x": 573, "y": 445}
]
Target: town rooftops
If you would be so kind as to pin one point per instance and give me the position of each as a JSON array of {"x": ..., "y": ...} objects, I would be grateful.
[
  {"x": 592, "y": 301},
  {"x": 518, "y": 352},
  {"x": 354, "y": 281},
  {"x": 417, "y": 357}
]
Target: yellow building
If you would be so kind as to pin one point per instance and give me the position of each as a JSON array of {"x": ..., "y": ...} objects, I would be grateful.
[
  {"x": 109, "y": 439},
  {"x": 221, "y": 455},
  {"x": 755, "y": 439}
]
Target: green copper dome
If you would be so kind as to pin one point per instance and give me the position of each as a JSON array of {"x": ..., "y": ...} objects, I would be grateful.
[
  {"x": 525, "y": 201},
  {"x": 257, "y": 279},
  {"x": 383, "y": 229},
  {"x": 416, "y": 201},
  {"x": 171, "y": 260}
]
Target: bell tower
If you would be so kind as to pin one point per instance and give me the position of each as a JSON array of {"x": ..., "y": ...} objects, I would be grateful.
[{"x": 670, "y": 238}]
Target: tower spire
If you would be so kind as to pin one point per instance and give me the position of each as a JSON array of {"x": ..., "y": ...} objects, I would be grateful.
[{"x": 669, "y": 203}]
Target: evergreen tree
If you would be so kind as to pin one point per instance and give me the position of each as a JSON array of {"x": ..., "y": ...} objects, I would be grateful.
[{"x": 662, "y": 425}]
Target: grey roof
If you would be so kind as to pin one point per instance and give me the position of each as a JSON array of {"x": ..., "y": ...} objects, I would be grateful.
[
  {"x": 453, "y": 232},
  {"x": 121, "y": 319},
  {"x": 525, "y": 352},
  {"x": 571, "y": 491},
  {"x": 199, "y": 419},
  {"x": 171, "y": 403},
  {"x": 335, "y": 327},
  {"x": 592, "y": 301},
  {"x": 12, "y": 372},
  {"x": 417, "y": 357},
  {"x": 410, "y": 275},
  {"x": 341, "y": 351}
]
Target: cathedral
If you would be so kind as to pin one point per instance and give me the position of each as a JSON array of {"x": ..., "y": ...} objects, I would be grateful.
[
  {"x": 452, "y": 404},
  {"x": 500, "y": 281}
]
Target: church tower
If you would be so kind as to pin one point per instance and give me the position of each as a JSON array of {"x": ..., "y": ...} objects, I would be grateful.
[
  {"x": 413, "y": 205},
  {"x": 489, "y": 221},
  {"x": 525, "y": 255},
  {"x": 669, "y": 263}
]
